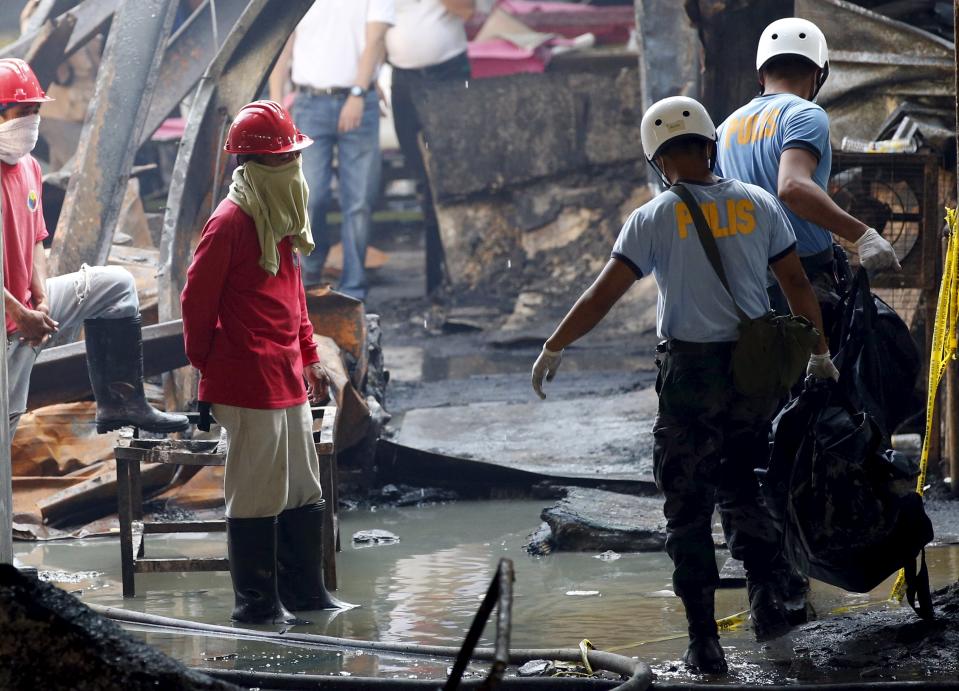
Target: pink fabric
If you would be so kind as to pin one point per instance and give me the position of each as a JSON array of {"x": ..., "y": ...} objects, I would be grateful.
[
  {"x": 520, "y": 7},
  {"x": 498, "y": 58},
  {"x": 171, "y": 129},
  {"x": 610, "y": 25}
]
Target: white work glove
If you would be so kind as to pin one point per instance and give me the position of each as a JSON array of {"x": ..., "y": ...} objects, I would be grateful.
[
  {"x": 545, "y": 366},
  {"x": 821, "y": 367},
  {"x": 875, "y": 252}
]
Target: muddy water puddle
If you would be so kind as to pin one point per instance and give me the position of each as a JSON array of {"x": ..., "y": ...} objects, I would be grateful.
[
  {"x": 419, "y": 364},
  {"x": 426, "y": 588}
]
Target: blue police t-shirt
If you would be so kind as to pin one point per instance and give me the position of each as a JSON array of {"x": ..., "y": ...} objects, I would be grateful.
[
  {"x": 660, "y": 238},
  {"x": 752, "y": 139}
]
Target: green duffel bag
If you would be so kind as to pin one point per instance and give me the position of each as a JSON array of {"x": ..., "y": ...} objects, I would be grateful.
[{"x": 772, "y": 353}]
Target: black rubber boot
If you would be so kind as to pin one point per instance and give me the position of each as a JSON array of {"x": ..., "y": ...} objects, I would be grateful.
[
  {"x": 794, "y": 590},
  {"x": 115, "y": 362},
  {"x": 766, "y": 608},
  {"x": 299, "y": 560},
  {"x": 704, "y": 653},
  {"x": 252, "y": 549}
]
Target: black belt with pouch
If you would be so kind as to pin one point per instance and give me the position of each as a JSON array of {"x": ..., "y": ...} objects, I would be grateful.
[{"x": 773, "y": 350}]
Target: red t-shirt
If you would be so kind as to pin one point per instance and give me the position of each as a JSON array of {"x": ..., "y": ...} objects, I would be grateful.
[
  {"x": 247, "y": 332},
  {"x": 23, "y": 227}
]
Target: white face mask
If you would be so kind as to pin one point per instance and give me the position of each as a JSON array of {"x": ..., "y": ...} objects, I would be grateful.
[{"x": 18, "y": 137}]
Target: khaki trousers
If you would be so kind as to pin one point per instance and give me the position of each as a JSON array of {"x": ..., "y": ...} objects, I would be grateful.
[{"x": 271, "y": 461}]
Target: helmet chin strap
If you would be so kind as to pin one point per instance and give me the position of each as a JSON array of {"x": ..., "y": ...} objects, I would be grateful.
[{"x": 659, "y": 172}]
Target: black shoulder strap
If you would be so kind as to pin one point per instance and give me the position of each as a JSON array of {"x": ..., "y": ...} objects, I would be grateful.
[{"x": 707, "y": 240}]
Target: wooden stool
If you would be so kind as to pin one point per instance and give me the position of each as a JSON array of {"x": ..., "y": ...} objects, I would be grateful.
[{"x": 132, "y": 452}]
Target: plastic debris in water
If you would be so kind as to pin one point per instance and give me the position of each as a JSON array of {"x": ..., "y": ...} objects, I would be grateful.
[
  {"x": 583, "y": 593},
  {"x": 608, "y": 555},
  {"x": 663, "y": 593},
  {"x": 370, "y": 538}
]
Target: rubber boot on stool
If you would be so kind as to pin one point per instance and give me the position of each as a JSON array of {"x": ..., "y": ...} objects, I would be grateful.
[
  {"x": 300, "y": 560},
  {"x": 252, "y": 548},
  {"x": 115, "y": 362}
]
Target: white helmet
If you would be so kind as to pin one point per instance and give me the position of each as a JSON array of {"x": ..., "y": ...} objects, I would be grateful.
[
  {"x": 671, "y": 118},
  {"x": 792, "y": 36}
]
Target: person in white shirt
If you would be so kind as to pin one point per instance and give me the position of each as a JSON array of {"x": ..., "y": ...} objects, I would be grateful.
[
  {"x": 426, "y": 45},
  {"x": 333, "y": 59}
]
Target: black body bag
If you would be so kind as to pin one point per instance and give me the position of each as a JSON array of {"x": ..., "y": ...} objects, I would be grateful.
[
  {"x": 879, "y": 359},
  {"x": 846, "y": 505}
]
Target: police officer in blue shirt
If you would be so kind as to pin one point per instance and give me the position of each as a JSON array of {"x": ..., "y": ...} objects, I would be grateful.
[
  {"x": 708, "y": 436},
  {"x": 780, "y": 142}
]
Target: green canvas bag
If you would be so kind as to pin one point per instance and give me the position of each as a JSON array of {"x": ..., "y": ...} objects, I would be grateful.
[{"x": 773, "y": 350}]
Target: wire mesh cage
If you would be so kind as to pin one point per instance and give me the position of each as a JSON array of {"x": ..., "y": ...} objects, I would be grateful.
[{"x": 898, "y": 195}]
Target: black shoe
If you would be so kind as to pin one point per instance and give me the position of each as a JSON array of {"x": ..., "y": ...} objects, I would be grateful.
[
  {"x": 300, "y": 560},
  {"x": 252, "y": 549},
  {"x": 705, "y": 655},
  {"x": 115, "y": 362},
  {"x": 767, "y": 610}
]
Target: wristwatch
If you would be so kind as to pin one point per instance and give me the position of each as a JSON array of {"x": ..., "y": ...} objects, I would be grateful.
[{"x": 357, "y": 91}]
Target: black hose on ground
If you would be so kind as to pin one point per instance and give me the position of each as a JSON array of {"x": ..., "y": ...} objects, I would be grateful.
[
  {"x": 268, "y": 681},
  {"x": 639, "y": 673}
]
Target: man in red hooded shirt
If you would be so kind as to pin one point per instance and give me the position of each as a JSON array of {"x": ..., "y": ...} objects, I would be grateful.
[{"x": 247, "y": 330}]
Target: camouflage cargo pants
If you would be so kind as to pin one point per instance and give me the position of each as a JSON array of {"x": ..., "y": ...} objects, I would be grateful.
[{"x": 707, "y": 441}]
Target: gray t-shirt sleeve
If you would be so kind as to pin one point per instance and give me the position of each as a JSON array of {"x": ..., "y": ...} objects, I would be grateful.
[{"x": 634, "y": 246}]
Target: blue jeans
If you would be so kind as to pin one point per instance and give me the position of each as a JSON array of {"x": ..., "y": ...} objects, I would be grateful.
[{"x": 358, "y": 171}]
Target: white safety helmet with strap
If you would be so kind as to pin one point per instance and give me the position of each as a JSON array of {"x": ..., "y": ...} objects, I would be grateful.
[
  {"x": 794, "y": 36},
  {"x": 674, "y": 118}
]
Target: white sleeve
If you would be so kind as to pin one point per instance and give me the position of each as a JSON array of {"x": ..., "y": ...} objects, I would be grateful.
[{"x": 381, "y": 11}]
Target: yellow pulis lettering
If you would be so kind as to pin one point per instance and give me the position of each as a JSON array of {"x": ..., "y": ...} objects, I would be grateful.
[
  {"x": 731, "y": 129},
  {"x": 744, "y": 136},
  {"x": 745, "y": 218},
  {"x": 683, "y": 219},
  {"x": 769, "y": 127},
  {"x": 731, "y": 216},
  {"x": 711, "y": 212}
]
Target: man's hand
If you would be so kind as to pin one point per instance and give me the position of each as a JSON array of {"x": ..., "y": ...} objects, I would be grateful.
[
  {"x": 821, "y": 367},
  {"x": 34, "y": 325},
  {"x": 317, "y": 383},
  {"x": 875, "y": 252},
  {"x": 351, "y": 114},
  {"x": 546, "y": 366}
]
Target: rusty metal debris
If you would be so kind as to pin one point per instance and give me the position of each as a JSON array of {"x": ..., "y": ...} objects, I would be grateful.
[{"x": 111, "y": 133}]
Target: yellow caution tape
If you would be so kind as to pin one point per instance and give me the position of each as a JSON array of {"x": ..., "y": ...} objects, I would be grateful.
[
  {"x": 584, "y": 647},
  {"x": 943, "y": 351},
  {"x": 733, "y": 622},
  {"x": 846, "y": 609},
  {"x": 637, "y": 644}
]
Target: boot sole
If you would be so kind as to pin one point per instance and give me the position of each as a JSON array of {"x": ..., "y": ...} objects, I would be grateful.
[
  {"x": 723, "y": 669},
  {"x": 112, "y": 426}
]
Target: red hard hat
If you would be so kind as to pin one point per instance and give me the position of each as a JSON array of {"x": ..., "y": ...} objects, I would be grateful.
[
  {"x": 18, "y": 83},
  {"x": 264, "y": 127}
]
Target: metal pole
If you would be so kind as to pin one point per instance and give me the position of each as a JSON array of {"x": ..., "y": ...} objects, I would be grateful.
[{"x": 6, "y": 464}]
